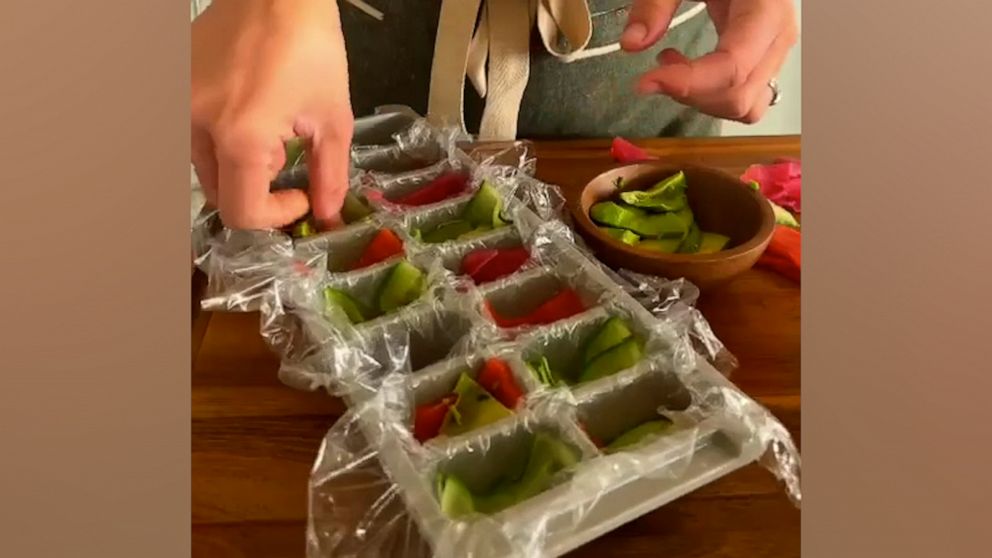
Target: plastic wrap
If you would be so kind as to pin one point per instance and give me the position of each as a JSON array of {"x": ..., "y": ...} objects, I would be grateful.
[
  {"x": 397, "y": 140},
  {"x": 375, "y": 485},
  {"x": 357, "y": 508},
  {"x": 205, "y": 226},
  {"x": 241, "y": 266},
  {"x": 519, "y": 154},
  {"x": 518, "y": 412},
  {"x": 393, "y": 143},
  {"x": 338, "y": 250},
  {"x": 714, "y": 429}
]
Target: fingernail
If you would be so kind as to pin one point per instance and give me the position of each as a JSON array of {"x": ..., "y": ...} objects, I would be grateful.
[{"x": 634, "y": 33}]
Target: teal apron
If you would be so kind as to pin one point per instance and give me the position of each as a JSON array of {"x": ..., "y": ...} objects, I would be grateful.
[{"x": 390, "y": 61}]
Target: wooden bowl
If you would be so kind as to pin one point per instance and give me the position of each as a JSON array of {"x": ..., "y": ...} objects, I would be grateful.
[{"x": 721, "y": 204}]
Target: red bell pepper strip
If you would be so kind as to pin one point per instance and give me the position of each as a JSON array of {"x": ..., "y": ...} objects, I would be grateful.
[
  {"x": 488, "y": 264},
  {"x": 497, "y": 378},
  {"x": 784, "y": 253},
  {"x": 477, "y": 259},
  {"x": 429, "y": 418},
  {"x": 384, "y": 245},
  {"x": 563, "y": 305},
  {"x": 623, "y": 151},
  {"x": 441, "y": 188}
]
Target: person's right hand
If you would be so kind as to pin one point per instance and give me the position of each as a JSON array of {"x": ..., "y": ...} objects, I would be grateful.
[{"x": 264, "y": 71}]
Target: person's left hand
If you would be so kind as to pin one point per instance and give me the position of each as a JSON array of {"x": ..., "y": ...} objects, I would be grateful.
[{"x": 731, "y": 82}]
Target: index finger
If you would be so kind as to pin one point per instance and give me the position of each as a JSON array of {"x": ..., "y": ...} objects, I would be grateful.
[
  {"x": 749, "y": 33},
  {"x": 330, "y": 153}
]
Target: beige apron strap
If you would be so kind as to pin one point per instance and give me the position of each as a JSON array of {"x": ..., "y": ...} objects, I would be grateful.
[
  {"x": 571, "y": 17},
  {"x": 478, "y": 54},
  {"x": 446, "y": 103},
  {"x": 502, "y": 41},
  {"x": 508, "y": 42},
  {"x": 568, "y": 18},
  {"x": 509, "y": 24}
]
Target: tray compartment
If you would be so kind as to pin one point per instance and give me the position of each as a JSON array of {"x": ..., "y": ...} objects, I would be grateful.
[
  {"x": 345, "y": 246},
  {"x": 394, "y": 187},
  {"x": 452, "y": 253},
  {"x": 364, "y": 285},
  {"x": 428, "y": 332},
  {"x": 621, "y": 403},
  {"x": 524, "y": 292},
  {"x": 482, "y": 461},
  {"x": 563, "y": 343}
]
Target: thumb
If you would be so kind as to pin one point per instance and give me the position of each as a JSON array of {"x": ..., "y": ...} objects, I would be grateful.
[
  {"x": 330, "y": 154},
  {"x": 244, "y": 199},
  {"x": 647, "y": 23}
]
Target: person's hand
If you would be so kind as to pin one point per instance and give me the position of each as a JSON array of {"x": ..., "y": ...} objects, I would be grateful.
[
  {"x": 732, "y": 81},
  {"x": 264, "y": 71}
]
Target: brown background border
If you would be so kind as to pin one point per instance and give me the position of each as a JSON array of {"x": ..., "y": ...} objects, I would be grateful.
[
  {"x": 95, "y": 404},
  {"x": 896, "y": 313}
]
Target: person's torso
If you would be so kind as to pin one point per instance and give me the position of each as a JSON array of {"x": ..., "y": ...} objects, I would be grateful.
[{"x": 389, "y": 63}]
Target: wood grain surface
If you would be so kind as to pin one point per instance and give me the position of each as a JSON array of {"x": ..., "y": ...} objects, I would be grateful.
[{"x": 254, "y": 440}]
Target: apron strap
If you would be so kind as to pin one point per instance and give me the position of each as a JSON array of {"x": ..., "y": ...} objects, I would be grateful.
[
  {"x": 570, "y": 19},
  {"x": 509, "y": 25},
  {"x": 492, "y": 49},
  {"x": 446, "y": 103},
  {"x": 467, "y": 41}
]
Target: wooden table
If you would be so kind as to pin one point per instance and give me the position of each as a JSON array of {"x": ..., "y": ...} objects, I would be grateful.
[{"x": 254, "y": 440}]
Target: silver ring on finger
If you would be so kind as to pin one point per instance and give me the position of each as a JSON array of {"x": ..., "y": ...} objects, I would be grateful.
[{"x": 776, "y": 93}]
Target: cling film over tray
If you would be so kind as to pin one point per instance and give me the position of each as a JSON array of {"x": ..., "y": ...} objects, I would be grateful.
[
  {"x": 508, "y": 395},
  {"x": 390, "y": 148}
]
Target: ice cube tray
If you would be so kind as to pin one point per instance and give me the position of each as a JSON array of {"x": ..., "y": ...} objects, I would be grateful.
[
  {"x": 384, "y": 368},
  {"x": 604, "y": 490}
]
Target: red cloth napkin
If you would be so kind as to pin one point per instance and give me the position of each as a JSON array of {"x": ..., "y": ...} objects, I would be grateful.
[{"x": 781, "y": 182}]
